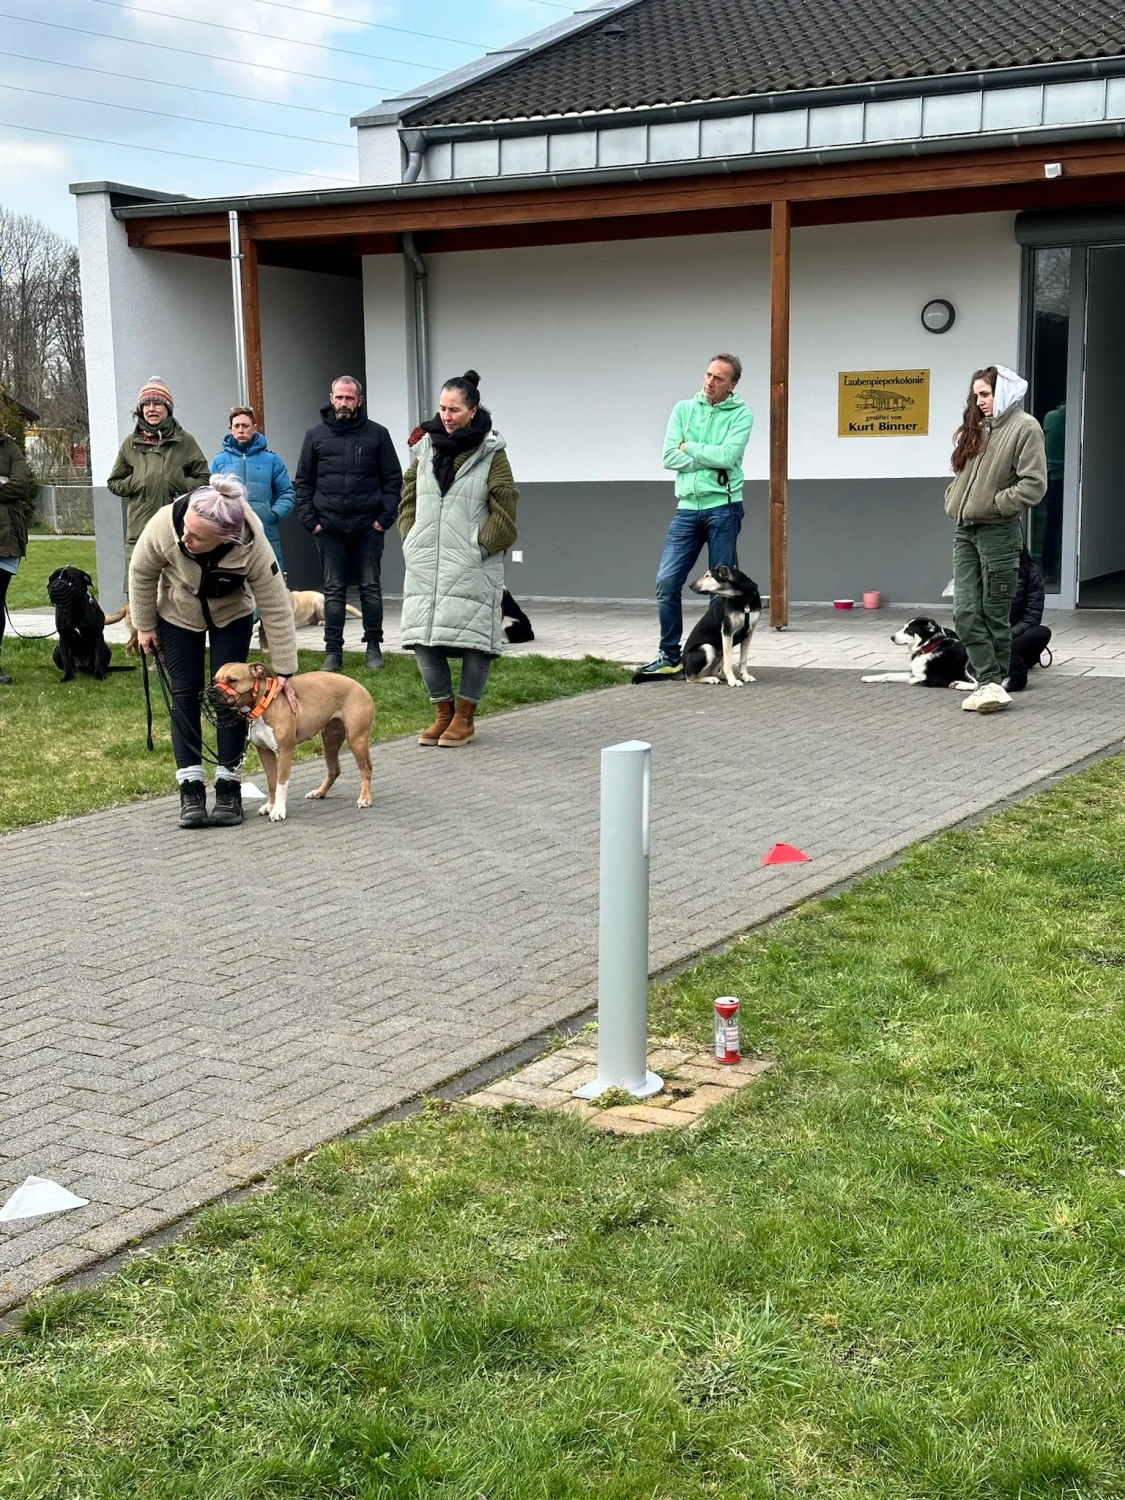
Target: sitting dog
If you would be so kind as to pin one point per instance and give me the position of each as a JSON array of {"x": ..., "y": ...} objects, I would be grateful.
[
  {"x": 517, "y": 627},
  {"x": 328, "y": 704},
  {"x": 937, "y": 657},
  {"x": 720, "y": 630},
  {"x": 81, "y": 626}
]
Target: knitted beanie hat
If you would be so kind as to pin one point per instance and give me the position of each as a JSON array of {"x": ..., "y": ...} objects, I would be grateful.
[{"x": 154, "y": 389}]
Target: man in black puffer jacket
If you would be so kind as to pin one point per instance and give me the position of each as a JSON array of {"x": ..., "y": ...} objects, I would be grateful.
[
  {"x": 1029, "y": 635},
  {"x": 348, "y": 483}
]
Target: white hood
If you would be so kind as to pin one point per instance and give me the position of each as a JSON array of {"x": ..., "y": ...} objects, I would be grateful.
[{"x": 1010, "y": 389}]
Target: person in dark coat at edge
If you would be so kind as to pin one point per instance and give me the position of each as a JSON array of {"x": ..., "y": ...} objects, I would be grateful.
[
  {"x": 1030, "y": 636},
  {"x": 348, "y": 483}
]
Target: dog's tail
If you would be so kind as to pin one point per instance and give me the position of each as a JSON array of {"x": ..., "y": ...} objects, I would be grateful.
[
  {"x": 118, "y": 668},
  {"x": 356, "y": 614},
  {"x": 118, "y": 617}
]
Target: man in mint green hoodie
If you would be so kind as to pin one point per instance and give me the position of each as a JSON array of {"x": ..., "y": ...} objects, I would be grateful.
[{"x": 706, "y": 439}]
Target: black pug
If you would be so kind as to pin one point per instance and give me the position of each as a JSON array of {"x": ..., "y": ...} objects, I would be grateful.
[{"x": 81, "y": 625}]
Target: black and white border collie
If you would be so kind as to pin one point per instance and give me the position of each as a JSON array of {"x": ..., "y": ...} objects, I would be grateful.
[
  {"x": 735, "y": 610},
  {"x": 937, "y": 657}
]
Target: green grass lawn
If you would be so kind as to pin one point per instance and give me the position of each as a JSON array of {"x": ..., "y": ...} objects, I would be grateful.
[
  {"x": 72, "y": 747},
  {"x": 29, "y": 587},
  {"x": 890, "y": 1271}
]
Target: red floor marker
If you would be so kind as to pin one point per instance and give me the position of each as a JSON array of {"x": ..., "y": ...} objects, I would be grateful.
[{"x": 785, "y": 854}]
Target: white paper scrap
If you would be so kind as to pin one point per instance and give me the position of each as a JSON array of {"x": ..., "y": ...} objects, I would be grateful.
[
  {"x": 39, "y": 1195},
  {"x": 947, "y": 591},
  {"x": 252, "y": 793}
]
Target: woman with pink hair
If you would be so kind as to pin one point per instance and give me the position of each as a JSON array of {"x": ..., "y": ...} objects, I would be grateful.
[{"x": 200, "y": 568}]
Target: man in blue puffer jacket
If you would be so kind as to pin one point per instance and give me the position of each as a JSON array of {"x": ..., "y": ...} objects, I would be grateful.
[{"x": 269, "y": 489}]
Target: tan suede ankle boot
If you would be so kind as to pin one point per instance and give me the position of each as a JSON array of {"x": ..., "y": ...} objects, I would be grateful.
[
  {"x": 444, "y": 711},
  {"x": 461, "y": 730}
]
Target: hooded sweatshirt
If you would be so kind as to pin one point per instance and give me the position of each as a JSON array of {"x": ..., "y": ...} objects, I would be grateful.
[
  {"x": 1009, "y": 474},
  {"x": 708, "y": 467}
]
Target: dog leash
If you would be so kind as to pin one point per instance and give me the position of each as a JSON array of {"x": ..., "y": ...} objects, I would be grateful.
[
  {"x": 22, "y": 636},
  {"x": 207, "y": 754}
]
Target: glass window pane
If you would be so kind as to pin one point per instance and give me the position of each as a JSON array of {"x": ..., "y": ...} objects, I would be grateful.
[{"x": 1050, "y": 332}]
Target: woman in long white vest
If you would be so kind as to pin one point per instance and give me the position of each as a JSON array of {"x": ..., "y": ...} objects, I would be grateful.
[{"x": 457, "y": 516}]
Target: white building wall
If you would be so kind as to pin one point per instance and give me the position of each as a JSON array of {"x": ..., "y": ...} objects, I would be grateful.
[
  {"x": 583, "y": 349},
  {"x": 388, "y": 330}
]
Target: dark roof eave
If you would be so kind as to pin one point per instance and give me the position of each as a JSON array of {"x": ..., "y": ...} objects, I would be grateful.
[{"x": 608, "y": 176}]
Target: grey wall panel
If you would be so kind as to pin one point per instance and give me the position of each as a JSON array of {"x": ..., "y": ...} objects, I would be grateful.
[
  {"x": 109, "y": 548},
  {"x": 603, "y": 540}
]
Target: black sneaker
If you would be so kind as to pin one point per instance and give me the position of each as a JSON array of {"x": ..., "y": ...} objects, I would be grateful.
[
  {"x": 333, "y": 662},
  {"x": 227, "y": 812},
  {"x": 193, "y": 805},
  {"x": 373, "y": 661}
]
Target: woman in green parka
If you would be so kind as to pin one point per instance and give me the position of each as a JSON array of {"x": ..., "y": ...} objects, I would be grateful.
[
  {"x": 158, "y": 462},
  {"x": 15, "y": 486}
]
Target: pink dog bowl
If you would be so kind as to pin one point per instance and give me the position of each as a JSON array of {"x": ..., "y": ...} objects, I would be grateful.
[{"x": 844, "y": 603}]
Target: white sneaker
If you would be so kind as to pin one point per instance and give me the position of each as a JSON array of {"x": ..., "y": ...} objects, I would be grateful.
[
  {"x": 992, "y": 699},
  {"x": 972, "y": 702}
]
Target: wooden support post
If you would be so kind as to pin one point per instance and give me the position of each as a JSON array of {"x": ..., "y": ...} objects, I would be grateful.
[
  {"x": 780, "y": 237},
  {"x": 252, "y": 314}
]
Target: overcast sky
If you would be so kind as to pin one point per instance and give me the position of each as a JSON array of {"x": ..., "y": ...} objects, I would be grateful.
[{"x": 72, "y": 70}]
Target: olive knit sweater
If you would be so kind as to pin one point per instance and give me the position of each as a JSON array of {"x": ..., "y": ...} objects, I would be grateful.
[{"x": 499, "y": 531}]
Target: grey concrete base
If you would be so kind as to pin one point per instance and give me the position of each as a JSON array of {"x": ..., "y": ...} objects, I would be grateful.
[{"x": 603, "y": 540}]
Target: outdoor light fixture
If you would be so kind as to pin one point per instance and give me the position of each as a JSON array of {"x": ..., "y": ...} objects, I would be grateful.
[
  {"x": 1052, "y": 169},
  {"x": 938, "y": 315}
]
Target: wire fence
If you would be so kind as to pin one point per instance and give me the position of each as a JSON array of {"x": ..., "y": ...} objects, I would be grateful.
[{"x": 66, "y": 509}]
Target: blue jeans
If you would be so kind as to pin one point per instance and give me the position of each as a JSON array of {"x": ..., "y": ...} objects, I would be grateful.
[
  {"x": 718, "y": 527},
  {"x": 342, "y": 553}
]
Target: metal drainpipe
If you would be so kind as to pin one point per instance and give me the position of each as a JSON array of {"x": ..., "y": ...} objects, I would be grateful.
[
  {"x": 240, "y": 361},
  {"x": 421, "y": 324},
  {"x": 415, "y": 143}
]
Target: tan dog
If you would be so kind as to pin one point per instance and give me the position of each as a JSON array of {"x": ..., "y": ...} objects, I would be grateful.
[
  {"x": 308, "y": 607},
  {"x": 131, "y": 646},
  {"x": 328, "y": 704}
]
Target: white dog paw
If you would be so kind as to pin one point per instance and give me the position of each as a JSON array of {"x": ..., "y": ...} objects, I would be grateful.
[
  {"x": 311, "y": 796},
  {"x": 747, "y": 678},
  {"x": 733, "y": 682},
  {"x": 277, "y": 815},
  {"x": 265, "y": 809},
  {"x": 869, "y": 679},
  {"x": 363, "y": 802}
]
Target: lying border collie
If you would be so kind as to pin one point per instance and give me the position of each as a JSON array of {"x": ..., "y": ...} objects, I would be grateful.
[
  {"x": 729, "y": 624},
  {"x": 937, "y": 657}
]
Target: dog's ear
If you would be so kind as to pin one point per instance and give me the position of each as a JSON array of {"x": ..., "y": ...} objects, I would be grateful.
[
  {"x": 87, "y": 580},
  {"x": 259, "y": 670}
]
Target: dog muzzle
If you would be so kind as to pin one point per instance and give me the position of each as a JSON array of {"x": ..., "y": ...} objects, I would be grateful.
[{"x": 224, "y": 703}]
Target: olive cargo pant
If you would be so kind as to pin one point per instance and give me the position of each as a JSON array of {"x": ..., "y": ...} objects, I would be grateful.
[{"x": 986, "y": 561}]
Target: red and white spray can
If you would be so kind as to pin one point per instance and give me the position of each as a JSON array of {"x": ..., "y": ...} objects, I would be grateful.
[{"x": 726, "y": 1029}]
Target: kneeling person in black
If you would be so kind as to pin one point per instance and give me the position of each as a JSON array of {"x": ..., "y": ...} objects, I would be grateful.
[
  {"x": 1029, "y": 635},
  {"x": 200, "y": 568}
]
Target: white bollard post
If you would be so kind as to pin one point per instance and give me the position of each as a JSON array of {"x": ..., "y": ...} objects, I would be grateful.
[{"x": 623, "y": 925}]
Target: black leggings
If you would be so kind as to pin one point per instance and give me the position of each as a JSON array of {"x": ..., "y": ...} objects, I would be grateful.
[
  {"x": 5, "y": 580},
  {"x": 183, "y": 652}
]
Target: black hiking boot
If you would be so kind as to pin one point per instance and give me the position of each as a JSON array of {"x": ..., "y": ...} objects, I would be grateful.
[
  {"x": 227, "y": 812},
  {"x": 373, "y": 661},
  {"x": 193, "y": 805},
  {"x": 333, "y": 662}
]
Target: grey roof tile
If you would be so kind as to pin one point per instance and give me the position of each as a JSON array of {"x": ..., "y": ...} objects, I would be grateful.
[{"x": 674, "y": 51}]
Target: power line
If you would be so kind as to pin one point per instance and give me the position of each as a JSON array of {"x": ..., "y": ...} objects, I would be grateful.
[
  {"x": 303, "y": 10},
  {"x": 313, "y": 140},
  {"x": 293, "y": 41},
  {"x": 233, "y": 62},
  {"x": 97, "y": 140},
  {"x": 163, "y": 83}
]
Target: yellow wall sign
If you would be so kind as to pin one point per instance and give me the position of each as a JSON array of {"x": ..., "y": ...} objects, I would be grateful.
[{"x": 884, "y": 403}]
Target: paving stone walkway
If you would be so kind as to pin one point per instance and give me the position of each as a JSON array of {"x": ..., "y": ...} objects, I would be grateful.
[{"x": 185, "y": 1011}]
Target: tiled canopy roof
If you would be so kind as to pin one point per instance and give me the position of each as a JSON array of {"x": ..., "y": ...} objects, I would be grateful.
[{"x": 671, "y": 51}]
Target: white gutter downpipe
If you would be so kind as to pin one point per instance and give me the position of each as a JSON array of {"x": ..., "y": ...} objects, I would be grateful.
[
  {"x": 241, "y": 363},
  {"x": 415, "y": 143},
  {"x": 421, "y": 325}
]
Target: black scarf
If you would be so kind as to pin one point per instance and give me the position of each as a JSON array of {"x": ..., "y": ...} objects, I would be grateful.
[{"x": 449, "y": 446}]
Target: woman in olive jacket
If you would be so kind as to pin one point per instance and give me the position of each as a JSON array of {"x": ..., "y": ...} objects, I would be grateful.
[
  {"x": 157, "y": 462},
  {"x": 15, "y": 486}
]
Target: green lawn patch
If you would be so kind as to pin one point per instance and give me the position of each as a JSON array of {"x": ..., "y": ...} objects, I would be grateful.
[
  {"x": 892, "y": 1270},
  {"x": 76, "y": 746},
  {"x": 28, "y": 589}
]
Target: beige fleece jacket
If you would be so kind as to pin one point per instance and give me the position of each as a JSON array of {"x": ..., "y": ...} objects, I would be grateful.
[
  {"x": 164, "y": 581},
  {"x": 1007, "y": 477}
]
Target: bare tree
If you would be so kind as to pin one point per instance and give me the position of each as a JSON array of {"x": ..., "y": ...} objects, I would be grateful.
[{"x": 42, "y": 361}]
